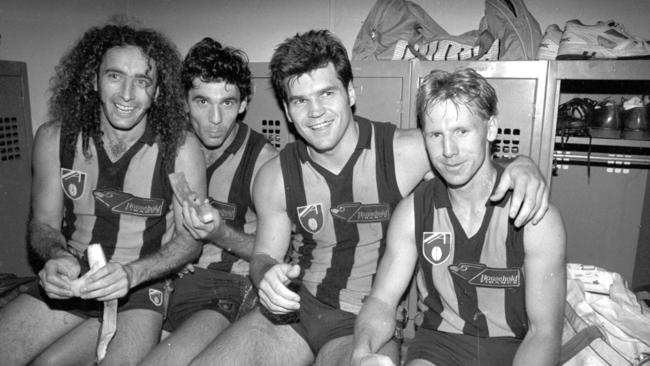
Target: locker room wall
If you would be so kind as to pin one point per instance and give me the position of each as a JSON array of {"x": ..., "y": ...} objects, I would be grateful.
[{"x": 39, "y": 31}]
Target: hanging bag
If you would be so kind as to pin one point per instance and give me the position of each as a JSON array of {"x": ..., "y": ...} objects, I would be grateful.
[
  {"x": 516, "y": 28},
  {"x": 388, "y": 22}
]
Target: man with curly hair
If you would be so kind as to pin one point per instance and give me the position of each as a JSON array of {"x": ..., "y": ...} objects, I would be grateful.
[
  {"x": 217, "y": 85},
  {"x": 101, "y": 176}
]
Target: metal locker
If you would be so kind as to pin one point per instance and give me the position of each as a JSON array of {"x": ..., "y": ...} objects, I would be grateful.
[{"x": 15, "y": 167}]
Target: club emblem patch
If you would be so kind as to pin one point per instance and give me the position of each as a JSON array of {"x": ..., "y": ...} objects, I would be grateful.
[
  {"x": 481, "y": 275},
  {"x": 311, "y": 217},
  {"x": 73, "y": 183},
  {"x": 155, "y": 296},
  {"x": 436, "y": 246}
]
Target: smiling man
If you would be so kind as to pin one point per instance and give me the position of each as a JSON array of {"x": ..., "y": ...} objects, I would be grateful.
[
  {"x": 304, "y": 199},
  {"x": 101, "y": 176},
  {"x": 492, "y": 293},
  {"x": 217, "y": 85}
]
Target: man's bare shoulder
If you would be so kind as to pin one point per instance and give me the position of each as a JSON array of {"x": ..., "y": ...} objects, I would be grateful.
[
  {"x": 268, "y": 187},
  {"x": 548, "y": 234},
  {"x": 189, "y": 153},
  {"x": 49, "y": 130},
  {"x": 406, "y": 135},
  {"x": 267, "y": 153},
  {"x": 411, "y": 160},
  {"x": 409, "y": 144},
  {"x": 190, "y": 142},
  {"x": 272, "y": 167}
]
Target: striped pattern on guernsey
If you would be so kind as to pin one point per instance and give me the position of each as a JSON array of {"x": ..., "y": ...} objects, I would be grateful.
[
  {"x": 339, "y": 247},
  {"x": 125, "y": 206},
  {"x": 229, "y": 183},
  {"x": 467, "y": 302}
]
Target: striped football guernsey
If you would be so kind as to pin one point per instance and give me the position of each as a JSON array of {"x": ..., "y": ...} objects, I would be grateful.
[
  {"x": 340, "y": 220},
  {"x": 125, "y": 206},
  {"x": 474, "y": 285},
  {"x": 229, "y": 184}
]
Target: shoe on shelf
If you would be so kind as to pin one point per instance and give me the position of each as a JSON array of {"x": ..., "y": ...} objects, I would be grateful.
[
  {"x": 605, "y": 121},
  {"x": 550, "y": 42},
  {"x": 603, "y": 40},
  {"x": 573, "y": 118},
  {"x": 634, "y": 116}
]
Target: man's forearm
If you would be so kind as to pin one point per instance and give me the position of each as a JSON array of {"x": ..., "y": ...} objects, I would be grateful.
[
  {"x": 235, "y": 241},
  {"x": 374, "y": 326},
  {"x": 47, "y": 242},
  {"x": 179, "y": 251},
  {"x": 539, "y": 350},
  {"x": 260, "y": 263}
]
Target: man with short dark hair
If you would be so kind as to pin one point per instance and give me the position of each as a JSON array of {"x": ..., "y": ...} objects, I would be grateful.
[{"x": 217, "y": 85}]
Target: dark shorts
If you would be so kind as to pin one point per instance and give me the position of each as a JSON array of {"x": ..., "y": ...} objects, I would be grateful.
[
  {"x": 228, "y": 294},
  {"x": 448, "y": 349},
  {"x": 320, "y": 323},
  {"x": 149, "y": 295}
]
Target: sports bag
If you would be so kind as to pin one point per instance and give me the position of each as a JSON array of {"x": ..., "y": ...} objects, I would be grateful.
[
  {"x": 517, "y": 30},
  {"x": 388, "y": 22},
  {"x": 604, "y": 323}
]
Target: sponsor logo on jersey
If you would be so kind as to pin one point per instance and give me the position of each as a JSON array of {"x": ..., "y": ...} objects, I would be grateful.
[
  {"x": 73, "y": 183},
  {"x": 436, "y": 246},
  {"x": 483, "y": 276},
  {"x": 155, "y": 296},
  {"x": 356, "y": 212},
  {"x": 311, "y": 217},
  {"x": 125, "y": 203},
  {"x": 227, "y": 211}
]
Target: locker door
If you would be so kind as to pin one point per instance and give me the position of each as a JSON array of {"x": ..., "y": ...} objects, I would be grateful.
[{"x": 15, "y": 167}]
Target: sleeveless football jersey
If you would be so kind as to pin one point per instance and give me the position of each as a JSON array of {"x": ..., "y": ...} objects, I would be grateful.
[
  {"x": 229, "y": 183},
  {"x": 474, "y": 285},
  {"x": 125, "y": 206},
  {"x": 339, "y": 221}
]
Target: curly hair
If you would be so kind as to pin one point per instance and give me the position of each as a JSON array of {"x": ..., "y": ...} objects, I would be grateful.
[
  {"x": 304, "y": 53},
  {"x": 76, "y": 103},
  {"x": 209, "y": 61},
  {"x": 464, "y": 88}
]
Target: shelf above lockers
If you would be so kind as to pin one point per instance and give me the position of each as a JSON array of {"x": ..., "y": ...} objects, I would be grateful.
[{"x": 614, "y": 80}]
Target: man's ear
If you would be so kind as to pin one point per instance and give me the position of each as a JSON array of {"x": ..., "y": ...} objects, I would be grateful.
[
  {"x": 286, "y": 111},
  {"x": 493, "y": 128},
  {"x": 155, "y": 95},
  {"x": 95, "y": 82},
  {"x": 242, "y": 106},
  {"x": 352, "y": 94}
]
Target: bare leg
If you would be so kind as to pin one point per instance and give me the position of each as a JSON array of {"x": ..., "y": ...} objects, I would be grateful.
[
  {"x": 138, "y": 331},
  {"x": 338, "y": 352},
  {"x": 253, "y": 340},
  {"x": 77, "y": 347},
  {"x": 181, "y": 346},
  {"x": 28, "y": 327}
]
